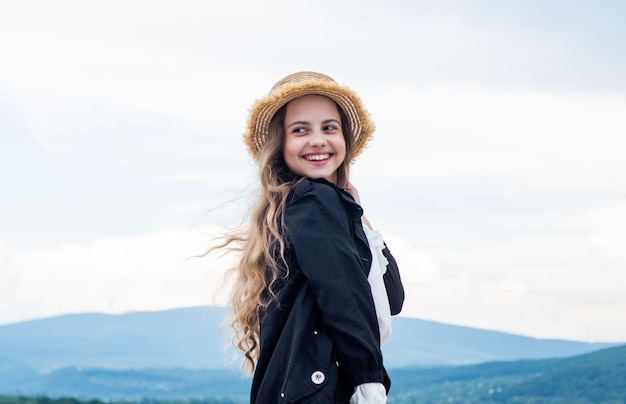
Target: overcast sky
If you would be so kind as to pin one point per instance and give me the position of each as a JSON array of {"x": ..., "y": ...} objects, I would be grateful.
[{"x": 496, "y": 173}]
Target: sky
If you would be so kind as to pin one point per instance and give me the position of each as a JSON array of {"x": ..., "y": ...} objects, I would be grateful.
[{"x": 496, "y": 174}]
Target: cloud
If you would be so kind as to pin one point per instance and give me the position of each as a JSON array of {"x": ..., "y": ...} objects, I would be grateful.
[
  {"x": 511, "y": 138},
  {"x": 547, "y": 286},
  {"x": 531, "y": 43},
  {"x": 168, "y": 99},
  {"x": 152, "y": 271},
  {"x": 8, "y": 277},
  {"x": 608, "y": 230},
  {"x": 496, "y": 167}
]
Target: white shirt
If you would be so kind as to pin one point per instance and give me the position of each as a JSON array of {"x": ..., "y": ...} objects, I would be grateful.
[
  {"x": 377, "y": 284},
  {"x": 375, "y": 393}
]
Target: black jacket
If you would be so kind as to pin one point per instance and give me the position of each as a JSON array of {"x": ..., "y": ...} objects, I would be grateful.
[{"x": 319, "y": 338}]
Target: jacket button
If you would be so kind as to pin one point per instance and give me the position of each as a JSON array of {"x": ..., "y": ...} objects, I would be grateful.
[{"x": 318, "y": 377}]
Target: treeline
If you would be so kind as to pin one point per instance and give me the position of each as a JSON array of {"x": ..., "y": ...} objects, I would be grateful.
[
  {"x": 595, "y": 378},
  {"x": 70, "y": 400},
  {"x": 46, "y": 400}
]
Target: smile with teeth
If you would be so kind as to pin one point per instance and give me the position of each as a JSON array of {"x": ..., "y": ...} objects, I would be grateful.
[{"x": 317, "y": 157}]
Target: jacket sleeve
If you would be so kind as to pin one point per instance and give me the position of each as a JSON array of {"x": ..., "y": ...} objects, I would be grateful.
[
  {"x": 393, "y": 283},
  {"x": 319, "y": 230}
]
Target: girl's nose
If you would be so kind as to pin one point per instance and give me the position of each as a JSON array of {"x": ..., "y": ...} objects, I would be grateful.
[{"x": 317, "y": 138}]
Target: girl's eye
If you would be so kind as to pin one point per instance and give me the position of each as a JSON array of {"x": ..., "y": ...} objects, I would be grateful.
[
  {"x": 298, "y": 130},
  {"x": 329, "y": 128}
]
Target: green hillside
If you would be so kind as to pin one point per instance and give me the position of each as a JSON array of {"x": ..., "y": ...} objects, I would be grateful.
[
  {"x": 67, "y": 400},
  {"x": 598, "y": 377}
]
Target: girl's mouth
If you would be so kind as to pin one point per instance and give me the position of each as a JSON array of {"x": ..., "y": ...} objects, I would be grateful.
[{"x": 317, "y": 157}]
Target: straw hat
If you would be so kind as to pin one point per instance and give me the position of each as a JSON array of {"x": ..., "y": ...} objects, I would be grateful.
[{"x": 298, "y": 85}]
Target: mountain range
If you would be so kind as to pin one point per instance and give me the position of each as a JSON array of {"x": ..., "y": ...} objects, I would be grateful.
[
  {"x": 197, "y": 338},
  {"x": 181, "y": 354}
]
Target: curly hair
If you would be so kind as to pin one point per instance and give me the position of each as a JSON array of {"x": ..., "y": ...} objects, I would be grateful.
[{"x": 261, "y": 245}]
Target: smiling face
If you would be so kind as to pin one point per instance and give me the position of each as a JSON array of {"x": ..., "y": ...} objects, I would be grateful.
[{"x": 314, "y": 144}]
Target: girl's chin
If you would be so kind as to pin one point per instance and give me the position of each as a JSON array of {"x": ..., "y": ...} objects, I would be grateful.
[{"x": 330, "y": 178}]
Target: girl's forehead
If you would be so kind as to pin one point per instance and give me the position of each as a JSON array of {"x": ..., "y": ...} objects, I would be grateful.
[{"x": 312, "y": 102}]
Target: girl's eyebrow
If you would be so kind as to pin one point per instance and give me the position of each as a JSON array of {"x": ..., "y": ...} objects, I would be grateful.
[
  {"x": 308, "y": 123},
  {"x": 297, "y": 123},
  {"x": 332, "y": 120}
]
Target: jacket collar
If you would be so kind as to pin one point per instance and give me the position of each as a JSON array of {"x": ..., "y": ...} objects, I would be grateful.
[{"x": 304, "y": 186}]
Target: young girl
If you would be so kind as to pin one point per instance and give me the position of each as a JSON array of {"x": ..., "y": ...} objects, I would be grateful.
[{"x": 305, "y": 315}]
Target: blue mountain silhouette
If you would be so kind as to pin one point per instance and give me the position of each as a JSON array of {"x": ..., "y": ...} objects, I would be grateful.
[{"x": 193, "y": 338}]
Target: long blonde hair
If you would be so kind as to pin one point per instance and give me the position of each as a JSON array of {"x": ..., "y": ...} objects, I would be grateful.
[{"x": 261, "y": 245}]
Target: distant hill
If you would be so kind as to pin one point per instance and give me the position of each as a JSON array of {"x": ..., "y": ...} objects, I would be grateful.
[
  {"x": 596, "y": 377},
  {"x": 599, "y": 377},
  {"x": 190, "y": 338},
  {"x": 129, "y": 385}
]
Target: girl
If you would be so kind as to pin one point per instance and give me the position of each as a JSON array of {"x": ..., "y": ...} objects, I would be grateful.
[{"x": 305, "y": 316}]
